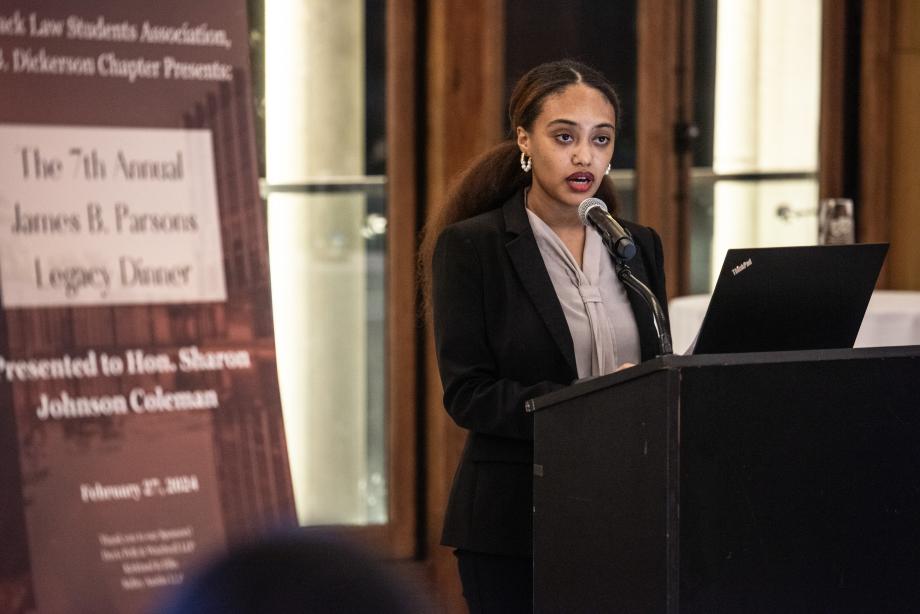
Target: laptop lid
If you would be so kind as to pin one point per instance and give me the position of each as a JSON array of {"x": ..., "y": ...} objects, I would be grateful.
[{"x": 790, "y": 298}]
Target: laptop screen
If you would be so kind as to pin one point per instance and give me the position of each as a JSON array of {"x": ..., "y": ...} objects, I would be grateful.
[{"x": 790, "y": 298}]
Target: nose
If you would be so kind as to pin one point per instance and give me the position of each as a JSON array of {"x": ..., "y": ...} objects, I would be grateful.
[{"x": 581, "y": 155}]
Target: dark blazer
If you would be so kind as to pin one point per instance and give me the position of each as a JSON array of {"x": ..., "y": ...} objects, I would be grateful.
[{"x": 501, "y": 339}]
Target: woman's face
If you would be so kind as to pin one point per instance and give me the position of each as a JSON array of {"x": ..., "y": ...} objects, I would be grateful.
[{"x": 571, "y": 144}]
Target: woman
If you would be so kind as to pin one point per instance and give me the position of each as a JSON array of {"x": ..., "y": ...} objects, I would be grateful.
[{"x": 525, "y": 301}]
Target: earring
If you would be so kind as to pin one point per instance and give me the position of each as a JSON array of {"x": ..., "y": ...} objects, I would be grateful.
[
  {"x": 526, "y": 162},
  {"x": 607, "y": 172}
]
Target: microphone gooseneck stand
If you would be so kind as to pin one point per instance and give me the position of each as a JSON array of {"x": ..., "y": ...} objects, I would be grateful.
[
  {"x": 619, "y": 242},
  {"x": 658, "y": 318}
]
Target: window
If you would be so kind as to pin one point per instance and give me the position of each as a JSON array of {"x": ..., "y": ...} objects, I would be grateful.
[
  {"x": 322, "y": 103},
  {"x": 755, "y": 175}
]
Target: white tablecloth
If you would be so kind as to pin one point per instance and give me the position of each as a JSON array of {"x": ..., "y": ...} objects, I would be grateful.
[{"x": 892, "y": 318}]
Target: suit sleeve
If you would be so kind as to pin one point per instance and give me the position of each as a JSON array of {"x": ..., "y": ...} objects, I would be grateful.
[{"x": 476, "y": 396}]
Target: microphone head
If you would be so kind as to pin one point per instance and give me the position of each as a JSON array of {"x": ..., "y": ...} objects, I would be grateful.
[{"x": 588, "y": 204}]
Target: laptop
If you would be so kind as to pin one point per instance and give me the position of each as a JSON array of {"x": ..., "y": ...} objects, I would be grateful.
[{"x": 772, "y": 299}]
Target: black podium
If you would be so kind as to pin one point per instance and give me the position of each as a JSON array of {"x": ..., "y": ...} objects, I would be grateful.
[{"x": 770, "y": 482}]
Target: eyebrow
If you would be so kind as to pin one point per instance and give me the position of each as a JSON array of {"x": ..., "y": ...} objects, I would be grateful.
[{"x": 569, "y": 122}]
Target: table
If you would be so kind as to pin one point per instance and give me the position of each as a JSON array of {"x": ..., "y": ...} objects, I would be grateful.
[{"x": 892, "y": 318}]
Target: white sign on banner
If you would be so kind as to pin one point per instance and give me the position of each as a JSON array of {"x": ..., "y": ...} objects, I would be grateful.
[{"x": 108, "y": 216}]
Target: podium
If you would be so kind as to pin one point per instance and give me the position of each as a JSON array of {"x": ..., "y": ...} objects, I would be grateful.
[{"x": 768, "y": 482}]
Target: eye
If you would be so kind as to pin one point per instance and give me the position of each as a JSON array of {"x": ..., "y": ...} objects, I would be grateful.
[
  {"x": 602, "y": 139},
  {"x": 564, "y": 137}
]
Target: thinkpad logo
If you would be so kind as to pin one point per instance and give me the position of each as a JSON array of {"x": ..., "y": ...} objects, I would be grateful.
[{"x": 742, "y": 266}]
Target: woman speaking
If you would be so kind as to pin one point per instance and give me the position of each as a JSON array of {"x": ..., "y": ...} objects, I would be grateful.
[{"x": 525, "y": 301}]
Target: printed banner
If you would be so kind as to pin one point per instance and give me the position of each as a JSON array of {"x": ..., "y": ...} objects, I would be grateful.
[
  {"x": 140, "y": 421},
  {"x": 85, "y": 214}
]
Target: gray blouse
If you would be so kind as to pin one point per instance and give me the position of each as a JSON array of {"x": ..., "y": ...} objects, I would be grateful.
[{"x": 594, "y": 301}]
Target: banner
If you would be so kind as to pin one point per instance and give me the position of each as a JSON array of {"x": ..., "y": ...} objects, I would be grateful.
[{"x": 140, "y": 421}]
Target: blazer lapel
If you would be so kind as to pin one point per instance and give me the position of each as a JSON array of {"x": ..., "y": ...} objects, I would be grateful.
[{"x": 528, "y": 264}]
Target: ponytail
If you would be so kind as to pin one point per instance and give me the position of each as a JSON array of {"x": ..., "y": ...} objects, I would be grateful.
[{"x": 485, "y": 184}]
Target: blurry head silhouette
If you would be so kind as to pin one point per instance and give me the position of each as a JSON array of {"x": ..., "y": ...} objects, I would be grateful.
[{"x": 307, "y": 571}]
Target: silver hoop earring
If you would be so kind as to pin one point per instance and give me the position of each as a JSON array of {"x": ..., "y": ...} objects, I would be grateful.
[
  {"x": 526, "y": 162},
  {"x": 607, "y": 172}
]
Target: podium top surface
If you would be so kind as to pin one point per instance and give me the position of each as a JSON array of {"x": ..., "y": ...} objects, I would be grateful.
[{"x": 676, "y": 362}]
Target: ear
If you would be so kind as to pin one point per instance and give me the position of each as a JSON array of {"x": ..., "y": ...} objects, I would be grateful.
[{"x": 523, "y": 140}]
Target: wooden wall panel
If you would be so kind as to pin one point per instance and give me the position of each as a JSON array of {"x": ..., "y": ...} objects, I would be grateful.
[
  {"x": 662, "y": 174},
  {"x": 904, "y": 174},
  {"x": 874, "y": 125},
  {"x": 465, "y": 76},
  {"x": 890, "y": 136},
  {"x": 402, "y": 331},
  {"x": 833, "y": 80},
  {"x": 907, "y": 25}
]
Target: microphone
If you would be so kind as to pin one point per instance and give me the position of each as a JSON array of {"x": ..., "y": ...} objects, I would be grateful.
[{"x": 593, "y": 214}]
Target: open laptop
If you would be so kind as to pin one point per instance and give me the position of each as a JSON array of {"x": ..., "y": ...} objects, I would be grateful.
[{"x": 790, "y": 298}]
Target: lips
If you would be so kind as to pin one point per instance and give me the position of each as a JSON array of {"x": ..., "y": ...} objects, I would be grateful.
[{"x": 580, "y": 182}]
